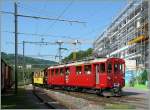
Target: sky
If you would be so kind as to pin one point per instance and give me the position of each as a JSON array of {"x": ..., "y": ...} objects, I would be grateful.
[{"x": 98, "y": 15}]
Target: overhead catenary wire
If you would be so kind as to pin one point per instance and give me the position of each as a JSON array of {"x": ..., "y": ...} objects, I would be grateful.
[
  {"x": 41, "y": 55},
  {"x": 44, "y": 18},
  {"x": 61, "y": 14},
  {"x": 41, "y": 35},
  {"x": 51, "y": 35},
  {"x": 39, "y": 11}
]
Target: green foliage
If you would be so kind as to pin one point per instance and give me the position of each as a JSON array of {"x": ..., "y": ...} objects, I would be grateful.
[
  {"x": 79, "y": 55},
  {"x": 132, "y": 82},
  {"x": 141, "y": 79},
  {"x": 35, "y": 62}
]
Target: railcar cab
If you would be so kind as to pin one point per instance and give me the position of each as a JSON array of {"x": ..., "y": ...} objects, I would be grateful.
[
  {"x": 110, "y": 73},
  {"x": 115, "y": 72}
]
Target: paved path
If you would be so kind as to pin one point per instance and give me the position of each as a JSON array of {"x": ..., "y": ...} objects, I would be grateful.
[
  {"x": 23, "y": 100},
  {"x": 133, "y": 92},
  {"x": 33, "y": 99}
]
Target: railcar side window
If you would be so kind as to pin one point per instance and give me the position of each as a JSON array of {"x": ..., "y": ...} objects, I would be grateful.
[
  {"x": 78, "y": 69},
  {"x": 109, "y": 68},
  {"x": 61, "y": 71},
  {"x": 102, "y": 67},
  {"x": 52, "y": 72},
  {"x": 87, "y": 69},
  {"x": 57, "y": 71},
  {"x": 67, "y": 71}
]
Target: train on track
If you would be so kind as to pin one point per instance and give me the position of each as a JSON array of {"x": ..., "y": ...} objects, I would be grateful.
[
  {"x": 104, "y": 75},
  {"x": 6, "y": 76}
]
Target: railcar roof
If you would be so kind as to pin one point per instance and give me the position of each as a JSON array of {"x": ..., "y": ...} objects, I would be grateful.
[{"x": 80, "y": 63}]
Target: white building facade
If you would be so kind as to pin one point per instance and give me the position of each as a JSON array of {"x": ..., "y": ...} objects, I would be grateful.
[{"x": 127, "y": 36}]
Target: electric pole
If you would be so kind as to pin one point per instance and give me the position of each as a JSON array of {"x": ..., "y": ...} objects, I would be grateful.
[
  {"x": 75, "y": 50},
  {"x": 24, "y": 62},
  {"x": 59, "y": 42},
  {"x": 16, "y": 48}
]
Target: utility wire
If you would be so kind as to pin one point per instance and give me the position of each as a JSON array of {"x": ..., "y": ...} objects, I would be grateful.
[
  {"x": 61, "y": 14},
  {"x": 45, "y": 18},
  {"x": 41, "y": 55},
  {"x": 42, "y": 35}
]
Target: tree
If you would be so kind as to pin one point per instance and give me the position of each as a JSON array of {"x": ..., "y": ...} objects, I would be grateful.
[
  {"x": 143, "y": 77},
  {"x": 79, "y": 55}
]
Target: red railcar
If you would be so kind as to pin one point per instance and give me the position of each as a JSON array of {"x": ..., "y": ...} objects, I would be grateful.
[
  {"x": 56, "y": 75},
  {"x": 103, "y": 75}
]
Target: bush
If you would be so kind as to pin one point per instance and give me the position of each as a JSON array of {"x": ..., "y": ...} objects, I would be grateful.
[{"x": 132, "y": 82}]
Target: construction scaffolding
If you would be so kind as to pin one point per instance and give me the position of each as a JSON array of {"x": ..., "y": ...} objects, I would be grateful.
[{"x": 127, "y": 36}]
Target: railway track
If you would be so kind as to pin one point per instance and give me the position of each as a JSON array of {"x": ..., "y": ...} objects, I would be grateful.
[{"x": 125, "y": 100}]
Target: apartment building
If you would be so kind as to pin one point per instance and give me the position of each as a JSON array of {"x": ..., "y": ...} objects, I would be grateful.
[{"x": 127, "y": 36}]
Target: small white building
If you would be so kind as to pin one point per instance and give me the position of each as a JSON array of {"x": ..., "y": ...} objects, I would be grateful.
[{"x": 28, "y": 66}]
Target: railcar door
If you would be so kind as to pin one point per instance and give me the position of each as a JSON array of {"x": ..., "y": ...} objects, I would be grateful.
[
  {"x": 97, "y": 73},
  {"x": 67, "y": 75},
  {"x": 110, "y": 74},
  {"x": 118, "y": 73},
  {"x": 101, "y": 75}
]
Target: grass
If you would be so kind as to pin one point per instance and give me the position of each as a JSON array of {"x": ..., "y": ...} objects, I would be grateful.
[
  {"x": 138, "y": 86},
  {"x": 11, "y": 101}
]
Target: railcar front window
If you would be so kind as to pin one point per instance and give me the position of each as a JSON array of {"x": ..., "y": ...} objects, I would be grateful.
[
  {"x": 57, "y": 71},
  {"x": 116, "y": 67},
  {"x": 109, "y": 69},
  {"x": 122, "y": 68},
  {"x": 119, "y": 68},
  {"x": 52, "y": 72}
]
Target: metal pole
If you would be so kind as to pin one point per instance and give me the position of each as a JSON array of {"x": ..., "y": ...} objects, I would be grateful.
[
  {"x": 60, "y": 52},
  {"x": 24, "y": 62},
  {"x": 59, "y": 49},
  {"x": 149, "y": 46},
  {"x": 16, "y": 49},
  {"x": 74, "y": 53}
]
